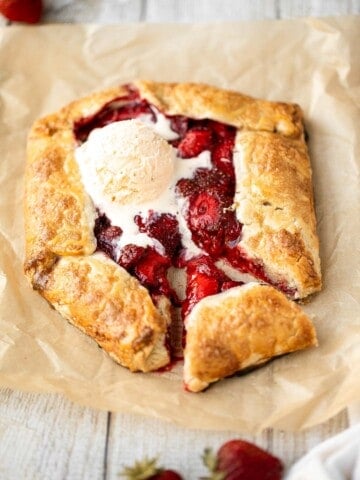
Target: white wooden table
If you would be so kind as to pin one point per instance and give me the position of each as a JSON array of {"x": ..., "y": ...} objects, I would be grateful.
[{"x": 49, "y": 437}]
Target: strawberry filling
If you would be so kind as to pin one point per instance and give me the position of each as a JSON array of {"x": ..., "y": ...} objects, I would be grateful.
[
  {"x": 203, "y": 279},
  {"x": 106, "y": 235},
  {"x": 209, "y": 212},
  {"x": 164, "y": 228},
  {"x": 195, "y": 141}
]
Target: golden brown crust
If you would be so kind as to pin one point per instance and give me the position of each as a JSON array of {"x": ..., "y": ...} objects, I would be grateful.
[
  {"x": 59, "y": 216},
  {"x": 198, "y": 100},
  {"x": 109, "y": 305},
  {"x": 274, "y": 202},
  {"x": 240, "y": 328}
]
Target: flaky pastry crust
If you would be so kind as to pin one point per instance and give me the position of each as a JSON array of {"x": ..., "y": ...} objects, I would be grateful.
[
  {"x": 273, "y": 200},
  {"x": 241, "y": 328},
  {"x": 93, "y": 293},
  {"x": 197, "y": 100},
  {"x": 109, "y": 305}
]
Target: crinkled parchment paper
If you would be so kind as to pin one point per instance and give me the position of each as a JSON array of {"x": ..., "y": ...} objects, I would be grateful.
[{"x": 311, "y": 61}]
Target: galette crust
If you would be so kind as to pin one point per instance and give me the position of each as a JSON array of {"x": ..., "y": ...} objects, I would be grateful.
[
  {"x": 60, "y": 258},
  {"x": 60, "y": 246},
  {"x": 109, "y": 305},
  {"x": 59, "y": 215},
  {"x": 241, "y": 328},
  {"x": 274, "y": 202},
  {"x": 197, "y": 100}
]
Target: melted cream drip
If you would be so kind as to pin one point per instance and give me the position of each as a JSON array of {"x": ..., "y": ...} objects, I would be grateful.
[{"x": 166, "y": 202}]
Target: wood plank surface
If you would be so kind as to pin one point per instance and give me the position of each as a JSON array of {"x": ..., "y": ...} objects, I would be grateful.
[
  {"x": 50, "y": 437},
  {"x": 181, "y": 448},
  {"x": 47, "y": 436},
  {"x": 115, "y": 11}
]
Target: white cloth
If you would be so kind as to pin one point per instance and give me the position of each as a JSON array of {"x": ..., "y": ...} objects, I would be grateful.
[{"x": 338, "y": 458}]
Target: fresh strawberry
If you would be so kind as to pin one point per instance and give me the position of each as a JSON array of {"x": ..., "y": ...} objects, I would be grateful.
[
  {"x": 195, "y": 141},
  {"x": 148, "y": 470},
  {"x": 163, "y": 227},
  {"x": 167, "y": 475},
  {"x": 240, "y": 460},
  {"x": 27, "y": 11}
]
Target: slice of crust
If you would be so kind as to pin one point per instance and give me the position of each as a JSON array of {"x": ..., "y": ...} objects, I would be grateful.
[
  {"x": 197, "y": 100},
  {"x": 274, "y": 202},
  {"x": 109, "y": 305},
  {"x": 240, "y": 328}
]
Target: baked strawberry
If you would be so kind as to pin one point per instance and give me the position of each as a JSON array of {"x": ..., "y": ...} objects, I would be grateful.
[
  {"x": 195, "y": 141},
  {"x": 222, "y": 130},
  {"x": 186, "y": 187},
  {"x": 222, "y": 155},
  {"x": 179, "y": 124},
  {"x": 232, "y": 228},
  {"x": 163, "y": 227},
  {"x": 148, "y": 470},
  {"x": 204, "y": 212},
  {"x": 151, "y": 271},
  {"x": 132, "y": 110},
  {"x": 211, "y": 242},
  {"x": 203, "y": 279},
  {"x": 151, "y": 266},
  {"x": 130, "y": 255},
  {"x": 27, "y": 11},
  {"x": 239, "y": 260},
  {"x": 107, "y": 236},
  {"x": 204, "y": 219},
  {"x": 213, "y": 182},
  {"x": 113, "y": 111},
  {"x": 201, "y": 286},
  {"x": 230, "y": 284},
  {"x": 241, "y": 460}
]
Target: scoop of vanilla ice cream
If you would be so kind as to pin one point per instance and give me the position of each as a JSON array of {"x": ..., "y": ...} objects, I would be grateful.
[{"x": 127, "y": 161}]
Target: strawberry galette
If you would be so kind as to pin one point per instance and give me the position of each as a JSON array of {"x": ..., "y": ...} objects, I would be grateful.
[{"x": 155, "y": 206}]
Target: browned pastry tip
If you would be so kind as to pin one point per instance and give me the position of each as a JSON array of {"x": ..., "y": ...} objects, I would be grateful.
[{"x": 240, "y": 328}]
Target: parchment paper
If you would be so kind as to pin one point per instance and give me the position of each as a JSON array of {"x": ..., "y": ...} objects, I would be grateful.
[{"x": 311, "y": 61}]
